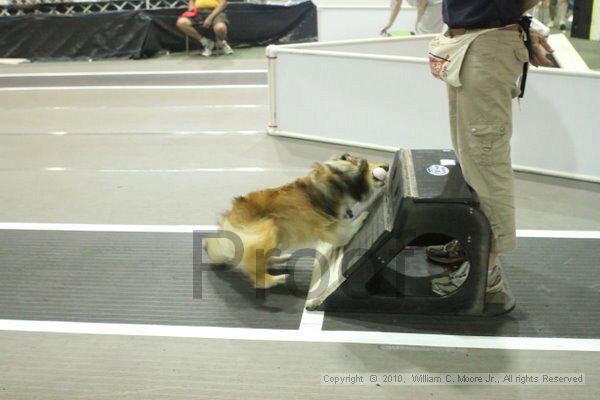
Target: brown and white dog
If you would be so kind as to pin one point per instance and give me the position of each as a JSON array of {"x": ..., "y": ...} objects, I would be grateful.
[{"x": 309, "y": 209}]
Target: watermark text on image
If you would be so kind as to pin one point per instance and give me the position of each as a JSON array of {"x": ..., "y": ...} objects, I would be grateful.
[{"x": 453, "y": 378}]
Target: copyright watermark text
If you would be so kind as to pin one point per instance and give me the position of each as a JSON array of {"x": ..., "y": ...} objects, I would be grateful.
[{"x": 453, "y": 378}]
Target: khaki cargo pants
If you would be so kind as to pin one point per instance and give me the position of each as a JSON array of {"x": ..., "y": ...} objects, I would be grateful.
[{"x": 481, "y": 126}]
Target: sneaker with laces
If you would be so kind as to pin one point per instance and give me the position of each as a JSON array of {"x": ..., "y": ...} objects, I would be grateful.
[
  {"x": 209, "y": 45},
  {"x": 498, "y": 297},
  {"x": 447, "y": 284},
  {"x": 446, "y": 254},
  {"x": 224, "y": 47}
]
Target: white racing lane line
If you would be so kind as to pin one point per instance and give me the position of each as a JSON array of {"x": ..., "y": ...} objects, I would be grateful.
[
  {"x": 312, "y": 321},
  {"x": 558, "y": 234},
  {"x": 190, "y": 228},
  {"x": 306, "y": 335},
  {"x": 311, "y": 324},
  {"x": 105, "y": 228},
  {"x": 134, "y": 73},
  {"x": 128, "y": 87},
  {"x": 170, "y": 170},
  {"x": 175, "y": 133}
]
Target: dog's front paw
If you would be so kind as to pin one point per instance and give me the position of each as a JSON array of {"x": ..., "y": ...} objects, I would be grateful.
[
  {"x": 270, "y": 281},
  {"x": 282, "y": 259},
  {"x": 362, "y": 217}
]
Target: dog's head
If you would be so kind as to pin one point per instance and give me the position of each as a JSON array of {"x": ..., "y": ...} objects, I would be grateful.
[{"x": 352, "y": 175}]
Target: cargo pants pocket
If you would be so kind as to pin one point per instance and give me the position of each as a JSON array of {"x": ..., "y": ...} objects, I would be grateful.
[{"x": 489, "y": 143}]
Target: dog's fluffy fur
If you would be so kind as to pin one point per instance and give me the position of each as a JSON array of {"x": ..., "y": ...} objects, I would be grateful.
[{"x": 309, "y": 209}]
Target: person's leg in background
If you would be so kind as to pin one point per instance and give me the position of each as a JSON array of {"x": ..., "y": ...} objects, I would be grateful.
[
  {"x": 551, "y": 13},
  {"x": 220, "y": 29},
  {"x": 562, "y": 10},
  {"x": 186, "y": 25},
  {"x": 431, "y": 20}
]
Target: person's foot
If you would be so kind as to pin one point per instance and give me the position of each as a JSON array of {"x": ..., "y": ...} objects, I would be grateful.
[
  {"x": 495, "y": 283},
  {"x": 450, "y": 283},
  {"x": 563, "y": 27},
  {"x": 550, "y": 24},
  {"x": 209, "y": 45},
  {"x": 447, "y": 284},
  {"x": 224, "y": 47},
  {"x": 498, "y": 298},
  {"x": 446, "y": 254}
]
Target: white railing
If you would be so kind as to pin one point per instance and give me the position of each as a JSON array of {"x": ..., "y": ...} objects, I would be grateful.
[{"x": 379, "y": 94}]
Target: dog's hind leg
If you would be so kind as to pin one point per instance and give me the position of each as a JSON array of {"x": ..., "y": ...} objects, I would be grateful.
[
  {"x": 255, "y": 265},
  {"x": 257, "y": 256}
]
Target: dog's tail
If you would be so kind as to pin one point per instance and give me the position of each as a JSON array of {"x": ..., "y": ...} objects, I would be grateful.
[{"x": 222, "y": 250}]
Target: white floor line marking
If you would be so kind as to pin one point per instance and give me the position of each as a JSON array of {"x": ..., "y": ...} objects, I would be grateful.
[
  {"x": 558, "y": 234},
  {"x": 140, "y": 107},
  {"x": 311, "y": 336},
  {"x": 172, "y": 170},
  {"x": 128, "y": 87},
  {"x": 26, "y": 226},
  {"x": 206, "y": 170},
  {"x": 190, "y": 228},
  {"x": 312, "y": 321},
  {"x": 133, "y": 73},
  {"x": 175, "y": 133}
]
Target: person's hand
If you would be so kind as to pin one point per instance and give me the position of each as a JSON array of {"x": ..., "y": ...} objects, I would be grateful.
[
  {"x": 384, "y": 31},
  {"x": 207, "y": 22},
  {"x": 540, "y": 47}
]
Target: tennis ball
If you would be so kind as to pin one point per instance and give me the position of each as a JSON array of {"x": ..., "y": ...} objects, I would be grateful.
[{"x": 379, "y": 173}]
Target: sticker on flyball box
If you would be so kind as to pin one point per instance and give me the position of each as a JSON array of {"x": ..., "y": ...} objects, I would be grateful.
[{"x": 437, "y": 170}]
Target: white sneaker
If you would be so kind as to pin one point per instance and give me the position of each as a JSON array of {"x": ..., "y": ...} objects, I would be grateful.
[
  {"x": 209, "y": 45},
  {"x": 224, "y": 47}
]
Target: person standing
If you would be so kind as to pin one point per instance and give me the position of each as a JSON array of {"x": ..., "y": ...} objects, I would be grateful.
[
  {"x": 481, "y": 120},
  {"x": 429, "y": 16}
]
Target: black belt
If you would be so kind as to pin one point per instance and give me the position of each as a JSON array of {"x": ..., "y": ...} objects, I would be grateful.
[
  {"x": 452, "y": 32},
  {"x": 525, "y": 23},
  {"x": 495, "y": 23}
]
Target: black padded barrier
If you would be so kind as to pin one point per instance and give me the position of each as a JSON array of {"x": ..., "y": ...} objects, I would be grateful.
[{"x": 144, "y": 33}]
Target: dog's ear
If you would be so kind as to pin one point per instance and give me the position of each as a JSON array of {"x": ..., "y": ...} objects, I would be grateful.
[
  {"x": 345, "y": 156},
  {"x": 363, "y": 167}
]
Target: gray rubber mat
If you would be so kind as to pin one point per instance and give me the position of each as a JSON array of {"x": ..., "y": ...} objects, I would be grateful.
[
  {"x": 554, "y": 282},
  {"x": 192, "y": 78},
  {"x": 145, "y": 278}
]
